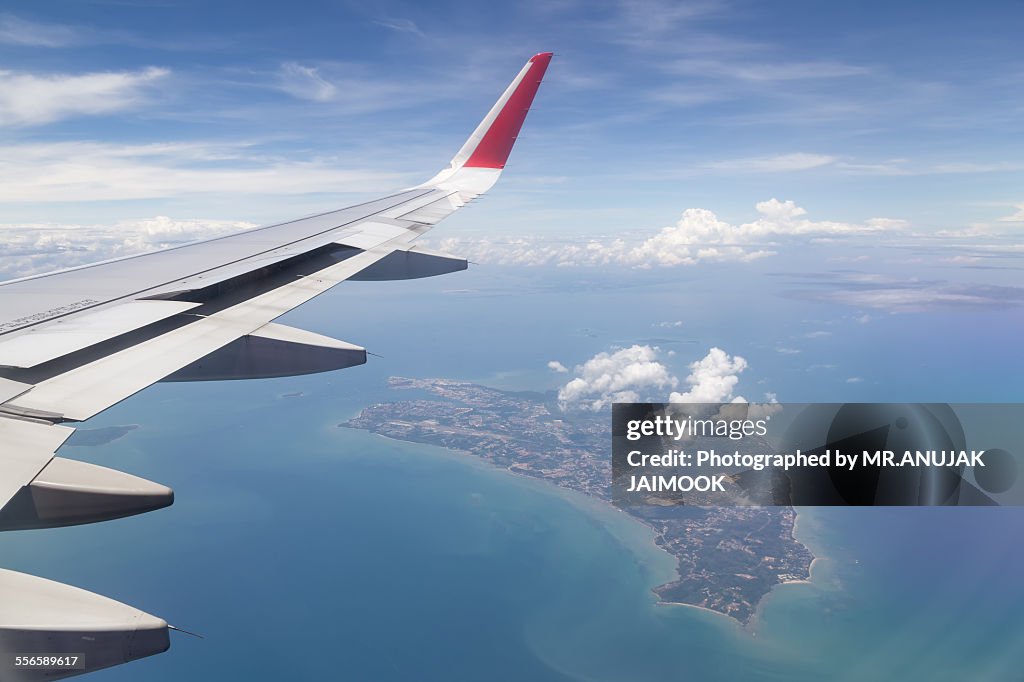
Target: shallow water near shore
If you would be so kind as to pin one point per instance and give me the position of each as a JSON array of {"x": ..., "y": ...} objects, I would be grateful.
[{"x": 304, "y": 551}]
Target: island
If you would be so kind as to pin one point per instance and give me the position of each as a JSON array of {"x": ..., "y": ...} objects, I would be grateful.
[{"x": 728, "y": 558}]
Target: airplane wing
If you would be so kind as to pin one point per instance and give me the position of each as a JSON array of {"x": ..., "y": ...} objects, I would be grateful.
[{"x": 77, "y": 341}]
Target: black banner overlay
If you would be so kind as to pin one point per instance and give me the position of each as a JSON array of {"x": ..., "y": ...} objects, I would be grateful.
[{"x": 824, "y": 454}]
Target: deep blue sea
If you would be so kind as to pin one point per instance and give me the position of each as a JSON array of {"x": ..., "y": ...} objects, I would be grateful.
[{"x": 304, "y": 551}]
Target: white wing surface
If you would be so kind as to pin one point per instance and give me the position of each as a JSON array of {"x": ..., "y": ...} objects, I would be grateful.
[{"x": 77, "y": 341}]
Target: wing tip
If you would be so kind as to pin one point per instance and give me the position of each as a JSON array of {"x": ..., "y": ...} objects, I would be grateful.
[
  {"x": 495, "y": 141},
  {"x": 488, "y": 148}
]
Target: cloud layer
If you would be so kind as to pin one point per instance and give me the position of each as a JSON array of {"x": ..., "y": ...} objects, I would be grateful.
[
  {"x": 698, "y": 236},
  {"x": 32, "y": 249},
  {"x": 906, "y": 295}
]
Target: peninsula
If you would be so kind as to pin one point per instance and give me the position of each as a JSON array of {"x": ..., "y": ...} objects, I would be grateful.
[{"x": 728, "y": 558}]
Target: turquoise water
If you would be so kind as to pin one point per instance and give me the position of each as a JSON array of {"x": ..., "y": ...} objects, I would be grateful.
[
  {"x": 315, "y": 552},
  {"x": 303, "y": 551}
]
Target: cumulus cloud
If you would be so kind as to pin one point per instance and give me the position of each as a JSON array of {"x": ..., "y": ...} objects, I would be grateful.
[
  {"x": 712, "y": 379},
  {"x": 28, "y": 99},
  {"x": 635, "y": 374},
  {"x": 556, "y": 366},
  {"x": 32, "y": 249},
  {"x": 698, "y": 236},
  {"x": 626, "y": 375}
]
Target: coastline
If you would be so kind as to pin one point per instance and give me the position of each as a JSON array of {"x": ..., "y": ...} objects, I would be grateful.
[
  {"x": 586, "y": 503},
  {"x": 733, "y": 621},
  {"x": 591, "y": 505},
  {"x": 755, "y": 620}
]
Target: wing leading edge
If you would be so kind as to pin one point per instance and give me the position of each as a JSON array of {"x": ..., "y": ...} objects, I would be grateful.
[{"x": 77, "y": 341}]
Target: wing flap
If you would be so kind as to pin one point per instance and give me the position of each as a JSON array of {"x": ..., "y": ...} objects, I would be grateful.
[
  {"x": 371, "y": 234},
  {"x": 63, "y": 336},
  {"x": 87, "y": 390}
]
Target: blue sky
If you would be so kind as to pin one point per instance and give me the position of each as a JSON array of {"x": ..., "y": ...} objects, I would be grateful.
[
  {"x": 253, "y": 111},
  {"x": 864, "y": 159}
]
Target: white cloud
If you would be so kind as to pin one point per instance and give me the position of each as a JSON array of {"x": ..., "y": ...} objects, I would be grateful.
[
  {"x": 670, "y": 325},
  {"x": 1017, "y": 217},
  {"x": 352, "y": 88},
  {"x": 400, "y": 25},
  {"x": 854, "y": 380},
  {"x": 884, "y": 224},
  {"x": 32, "y": 249},
  {"x": 698, "y": 236},
  {"x": 788, "y": 351},
  {"x": 972, "y": 231},
  {"x": 92, "y": 171},
  {"x": 910, "y": 167},
  {"x": 898, "y": 295},
  {"x": 914, "y": 299},
  {"x": 635, "y": 374},
  {"x": 712, "y": 379},
  {"x": 556, "y": 366},
  {"x": 305, "y": 82},
  {"x": 766, "y": 72},
  {"x": 29, "y": 99},
  {"x": 17, "y": 31},
  {"x": 626, "y": 375},
  {"x": 774, "y": 164}
]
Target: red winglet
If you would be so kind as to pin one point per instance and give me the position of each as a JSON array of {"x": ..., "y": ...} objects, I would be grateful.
[{"x": 496, "y": 144}]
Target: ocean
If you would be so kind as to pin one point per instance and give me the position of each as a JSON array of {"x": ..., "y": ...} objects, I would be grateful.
[{"x": 304, "y": 551}]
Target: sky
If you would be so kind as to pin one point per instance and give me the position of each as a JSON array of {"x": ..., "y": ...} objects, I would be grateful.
[
  {"x": 869, "y": 152},
  {"x": 116, "y": 110}
]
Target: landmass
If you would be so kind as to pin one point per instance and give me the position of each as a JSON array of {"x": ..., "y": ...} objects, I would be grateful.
[
  {"x": 728, "y": 558},
  {"x": 100, "y": 436}
]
